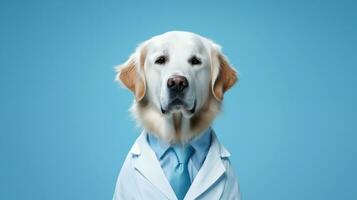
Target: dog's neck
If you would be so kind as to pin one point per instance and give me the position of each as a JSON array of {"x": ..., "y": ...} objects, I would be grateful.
[
  {"x": 175, "y": 128},
  {"x": 178, "y": 122},
  {"x": 181, "y": 128}
]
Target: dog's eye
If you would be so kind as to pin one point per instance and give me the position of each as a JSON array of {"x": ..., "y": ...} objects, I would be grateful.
[
  {"x": 161, "y": 60},
  {"x": 194, "y": 61}
]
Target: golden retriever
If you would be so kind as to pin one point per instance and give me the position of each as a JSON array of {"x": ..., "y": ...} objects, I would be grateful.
[{"x": 178, "y": 79}]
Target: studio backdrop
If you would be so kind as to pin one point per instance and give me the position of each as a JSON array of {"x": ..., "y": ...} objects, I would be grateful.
[{"x": 289, "y": 123}]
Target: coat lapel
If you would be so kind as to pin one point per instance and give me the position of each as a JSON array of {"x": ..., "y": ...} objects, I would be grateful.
[
  {"x": 211, "y": 170},
  {"x": 146, "y": 163}
]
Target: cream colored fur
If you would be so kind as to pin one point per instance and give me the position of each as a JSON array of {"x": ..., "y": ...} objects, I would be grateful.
[{"x": 147, "y": 80}]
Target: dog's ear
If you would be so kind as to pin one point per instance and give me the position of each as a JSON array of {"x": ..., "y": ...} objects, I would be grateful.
[
  {"x": 224, "y": 76},
  {"x": 131, "y": 73}
]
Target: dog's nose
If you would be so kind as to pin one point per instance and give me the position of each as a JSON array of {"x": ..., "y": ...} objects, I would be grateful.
[{"x": 177, "y": 84}]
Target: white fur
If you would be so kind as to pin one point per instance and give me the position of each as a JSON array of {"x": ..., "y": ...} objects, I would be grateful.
[{"x": 178, "y": 46}]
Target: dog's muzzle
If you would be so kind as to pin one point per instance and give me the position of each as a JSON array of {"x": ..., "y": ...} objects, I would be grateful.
[
  {"x": 177, "y": 86},
  {"x": 177, "y": 103}
]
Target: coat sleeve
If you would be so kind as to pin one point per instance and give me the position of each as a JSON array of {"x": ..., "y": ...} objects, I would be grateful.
[
  {"x": 125, "y": 181},
  {"x": 231, "y": 189}
]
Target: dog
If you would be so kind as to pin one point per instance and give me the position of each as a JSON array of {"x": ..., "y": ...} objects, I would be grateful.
[{"x": 178, "y": 80}]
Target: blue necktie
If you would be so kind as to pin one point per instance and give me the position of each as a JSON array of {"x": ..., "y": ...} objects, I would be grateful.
[{"x": 180, "y": 180}]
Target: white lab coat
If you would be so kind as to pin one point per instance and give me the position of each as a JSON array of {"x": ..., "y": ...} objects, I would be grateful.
[{"x": 141, "y": 176}]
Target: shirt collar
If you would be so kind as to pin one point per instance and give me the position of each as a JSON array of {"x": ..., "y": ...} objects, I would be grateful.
[
  {"x": 201, "y": 144},
  {"x": 160, "y": 147}
]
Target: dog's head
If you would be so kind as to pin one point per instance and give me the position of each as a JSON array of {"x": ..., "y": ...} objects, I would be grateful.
[{"x": 178, "y": 79}]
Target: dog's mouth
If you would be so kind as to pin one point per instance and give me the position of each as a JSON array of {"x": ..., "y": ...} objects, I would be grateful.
[{"x": 177, "y": 104}]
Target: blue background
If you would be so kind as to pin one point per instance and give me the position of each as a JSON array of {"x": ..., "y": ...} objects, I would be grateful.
[{"x": 290, "y": 123}]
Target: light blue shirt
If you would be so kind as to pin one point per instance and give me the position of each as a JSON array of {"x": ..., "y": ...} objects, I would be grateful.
[{"x": 168, "y": 159}]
